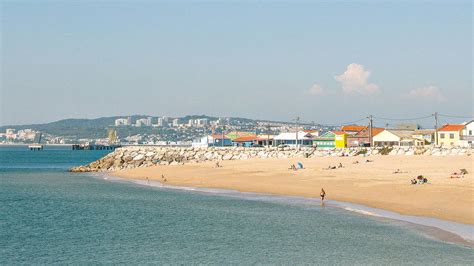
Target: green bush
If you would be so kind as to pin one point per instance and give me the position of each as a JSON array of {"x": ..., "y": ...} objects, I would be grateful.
[
  {"x": 362, "y": 151},
  {"x": 386, "y": 150}
]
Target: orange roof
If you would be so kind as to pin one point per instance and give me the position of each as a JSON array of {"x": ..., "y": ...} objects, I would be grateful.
[
  {"x": 339, "y": 132},
  {"x": 449, "y": 127},
  {"x": 310, "y": 131},
  {"x": 377, "y": 130},
  {"x": 365, "y": 133},
  {"x": 353, "y": 128},
  {"x": 245, "y": 139}
]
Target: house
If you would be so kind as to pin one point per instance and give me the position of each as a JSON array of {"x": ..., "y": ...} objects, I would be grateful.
[
  {"x": 467, "y": 136},
  {"x": 313, "y": 132},
  {"x": 331, "y": 139},
  {"x": 450, "y": 134},
  {"x": 394, "y": 137},
  {"x": 264, "y": 140},
  {"x": 247, "y": 141},
  {"x": 212, "y": 140},
  {"x": 361, "y": 138},
  {"x": 424, "y": 137},
  {"x": 293, "y": 138}
]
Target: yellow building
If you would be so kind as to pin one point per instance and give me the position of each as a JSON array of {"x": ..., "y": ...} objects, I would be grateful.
[
  {"x": 450, "y": 135},
  {"x": 340, "y": 139}
]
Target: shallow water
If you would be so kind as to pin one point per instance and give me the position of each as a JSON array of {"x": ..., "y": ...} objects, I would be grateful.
[{"x": 51, "y": 216}]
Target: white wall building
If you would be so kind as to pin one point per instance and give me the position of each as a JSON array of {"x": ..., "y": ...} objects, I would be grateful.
[
  {"x": 467, "y": 134},
  {"x": 176, "y": 122},
  {"x": 394, "y": 137}
]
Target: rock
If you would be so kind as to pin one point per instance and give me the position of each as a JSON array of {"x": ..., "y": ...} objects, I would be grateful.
[
  {"x": 228, "y": 156},
  {"x": 138, "y": 157}
]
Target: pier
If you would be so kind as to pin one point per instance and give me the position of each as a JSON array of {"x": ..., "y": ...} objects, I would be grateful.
[
  {"x": 94, "y": 147},
  {"x": 35, "y": 147}
]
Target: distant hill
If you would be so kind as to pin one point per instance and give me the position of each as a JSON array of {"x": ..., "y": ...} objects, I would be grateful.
[{"x": 97, "y": 128}]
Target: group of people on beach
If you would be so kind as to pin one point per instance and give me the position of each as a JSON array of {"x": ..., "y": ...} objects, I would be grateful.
[
  {"x": 163, "y": 179},
  {"x": 419, "y": 180},
  {"x": 295, "y": 168},
  {"x": 459, "y": 174}
]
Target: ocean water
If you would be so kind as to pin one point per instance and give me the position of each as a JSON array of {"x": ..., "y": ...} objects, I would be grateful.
[{"x": 50, "y": 216}]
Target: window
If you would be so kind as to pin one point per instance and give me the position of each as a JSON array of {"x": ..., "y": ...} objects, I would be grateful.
[
  {"x": 470, "y": 132},
  {"x": 451, "y": 136},
  {"x": 441, "y": 135}
]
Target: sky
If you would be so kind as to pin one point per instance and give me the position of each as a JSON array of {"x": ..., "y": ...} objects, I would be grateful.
[{"x": 325, "y": 62}]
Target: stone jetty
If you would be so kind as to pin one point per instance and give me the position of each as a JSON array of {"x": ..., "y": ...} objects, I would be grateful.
[{"x": 145, "y": 156}]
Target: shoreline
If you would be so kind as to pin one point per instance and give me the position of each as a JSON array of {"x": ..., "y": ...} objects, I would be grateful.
[
  {"x": 370, "y": 184},
  {"x": 442, "y": 230}
]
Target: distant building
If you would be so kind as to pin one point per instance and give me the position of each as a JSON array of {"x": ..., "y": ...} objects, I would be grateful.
[
  {"x": 123, "y": 122},
  {"x": 450, "y": 134},
  {"x": 176, "y": 122},
  {"x": 361, "y": 138},
  {"x": 467, "y": 134},
  {"x": 331, "y": 139},
  {"x": 424, "y": 137},
  {"x": 293, "y": 139},
  {"x": 212, "y": 140},
  {"x": 394, "y": 137},
  {"x": 143, "y": 122},
  {"x": 247, "y": 141},
  {"x": 202, "y": 122}
]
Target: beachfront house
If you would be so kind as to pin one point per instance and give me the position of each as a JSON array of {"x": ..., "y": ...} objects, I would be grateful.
[
  {"x": 216, "y": 140},
  {"x": 394, "y": 137},
  {"x": 247, "y": 141},
  {"x": 467, "y": 134},
  {"x": 423, "y": 137},
  {"x": 292, "y": 139},
  {"x": 362, "y": 138},
  {"x": 264, "y": 140},
  {"x": 450, "y": 134},
  {"x": 331, "y": 139}
]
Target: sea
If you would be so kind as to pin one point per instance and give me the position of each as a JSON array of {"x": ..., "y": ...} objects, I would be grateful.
[{"x": 51, "y": 216}]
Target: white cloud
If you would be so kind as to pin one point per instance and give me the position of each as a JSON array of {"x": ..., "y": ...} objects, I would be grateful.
[
  {"x": 316, "y": 89},
  {"x": 355, "y": 79},
  {"x": 430, "y": 92}
]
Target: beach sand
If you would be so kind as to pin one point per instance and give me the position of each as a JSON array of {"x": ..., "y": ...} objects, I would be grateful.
[{"x": 368, "y": 183}]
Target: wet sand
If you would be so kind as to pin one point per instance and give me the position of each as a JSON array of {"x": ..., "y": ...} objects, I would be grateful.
[{"x": 371, "y": 184}]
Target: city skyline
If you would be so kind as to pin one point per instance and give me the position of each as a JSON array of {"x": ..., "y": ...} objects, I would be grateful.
[{"x": 275, "y": 61}]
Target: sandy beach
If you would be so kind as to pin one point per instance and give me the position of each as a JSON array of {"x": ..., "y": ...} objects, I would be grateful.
[{"x": 368, "y": 183}]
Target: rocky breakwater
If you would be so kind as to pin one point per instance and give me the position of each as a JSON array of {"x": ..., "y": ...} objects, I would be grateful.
[{"x": 145, "y": 156}]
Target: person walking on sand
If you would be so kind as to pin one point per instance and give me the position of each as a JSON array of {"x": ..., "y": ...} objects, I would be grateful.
[
  {"x": 322, "y": 194},
  {"x": 147, "y": 180}
]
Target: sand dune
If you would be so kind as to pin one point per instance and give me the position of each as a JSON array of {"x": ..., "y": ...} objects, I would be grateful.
[{"x": 373, "y": 184}]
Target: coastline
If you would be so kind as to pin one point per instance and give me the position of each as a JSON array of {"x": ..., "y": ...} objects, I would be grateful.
[
  {"x": 442, "y": 230},
  {"x": 371, "y": 184}
]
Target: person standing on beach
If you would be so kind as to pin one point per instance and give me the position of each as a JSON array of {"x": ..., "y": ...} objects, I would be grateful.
[{"x": 322, "y": 194}]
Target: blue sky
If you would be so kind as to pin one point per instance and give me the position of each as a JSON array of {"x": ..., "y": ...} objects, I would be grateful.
[{"x": 325, "y": 62}]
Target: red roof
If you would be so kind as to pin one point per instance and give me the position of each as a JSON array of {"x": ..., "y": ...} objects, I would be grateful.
[
  {"x": 245, "y": 139},
  {"x": 339, "y": 132},
  {"x": 449, "y": 127},
  {"x": 353, "y": 128}
]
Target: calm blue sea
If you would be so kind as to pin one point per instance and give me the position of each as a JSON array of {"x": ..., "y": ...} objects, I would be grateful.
[{"x": 48, "y": 215}]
